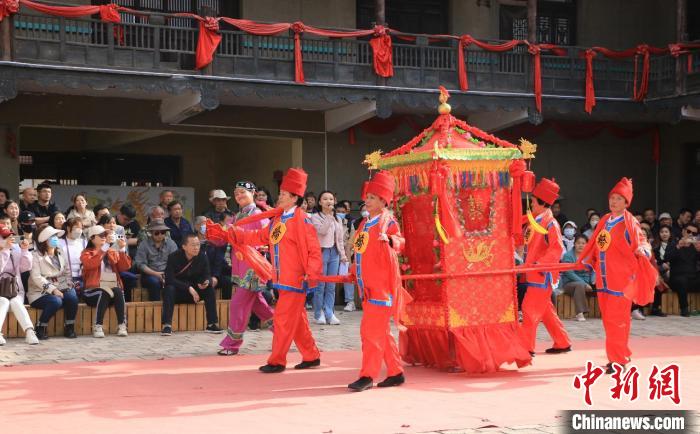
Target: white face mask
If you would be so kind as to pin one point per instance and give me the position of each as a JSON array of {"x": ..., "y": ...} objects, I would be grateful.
[
  {"x": 569, "y": 232},
  {"x": 76, "y": 233},
  {"x": 365, "y": 213}
]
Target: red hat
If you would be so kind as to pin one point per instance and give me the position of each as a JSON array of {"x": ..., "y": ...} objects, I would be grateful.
[
  {"x": 546, "y": 190},
  {"x": 294, "y": 181},
  {"x": 382, "y": 185},
  {"x": 624, "y": 188}
]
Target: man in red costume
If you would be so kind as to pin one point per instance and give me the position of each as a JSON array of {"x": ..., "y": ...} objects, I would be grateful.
[
  {"x": 296, "y": 255},
  {"x": 619, "y": 254},
  {"x": 376, "y": 270},
  {"x": 543, "y": 249}
]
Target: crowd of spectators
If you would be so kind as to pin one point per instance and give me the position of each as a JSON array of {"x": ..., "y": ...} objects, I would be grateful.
[{"x": 54, "y": 260}]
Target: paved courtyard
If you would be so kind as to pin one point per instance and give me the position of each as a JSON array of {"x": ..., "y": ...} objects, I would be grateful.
[{"x": 346, "y": 336}]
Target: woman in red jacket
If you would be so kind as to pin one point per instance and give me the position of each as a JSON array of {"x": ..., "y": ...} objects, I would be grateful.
[{"x": 101, "y": 268}]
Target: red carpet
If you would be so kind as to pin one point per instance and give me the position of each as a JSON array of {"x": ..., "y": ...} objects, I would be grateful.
[{"x": 228, "y": 394}]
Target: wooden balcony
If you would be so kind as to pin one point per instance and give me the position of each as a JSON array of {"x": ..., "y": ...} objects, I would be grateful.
[{"x": 159, "y": 46}]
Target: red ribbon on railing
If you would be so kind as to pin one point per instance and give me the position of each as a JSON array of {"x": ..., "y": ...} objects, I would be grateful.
[
  {"x": 8, "y": 7},
  {"x": 467, "y": 40},
  {"x": 590, "y": 88}
]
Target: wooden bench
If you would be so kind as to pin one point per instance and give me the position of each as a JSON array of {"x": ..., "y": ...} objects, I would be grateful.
[
  {"x": 142, "y": 317},
  {"x": 669, "y": 305}
]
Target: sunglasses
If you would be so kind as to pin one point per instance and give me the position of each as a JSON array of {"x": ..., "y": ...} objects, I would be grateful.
[
  {"x": 691, "y": 232},
  {"x": 102, "y": 235},
  {"x": 159, "y": 232}
]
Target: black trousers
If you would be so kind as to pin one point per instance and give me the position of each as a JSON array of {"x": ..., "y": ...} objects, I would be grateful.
[
  {"x": 97, "y": 297},
  {"x": 682, "y": 284},
  {"x": 172, "y": 296}
]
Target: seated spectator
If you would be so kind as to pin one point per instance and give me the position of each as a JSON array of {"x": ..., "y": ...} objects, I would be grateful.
[
  {"x": 593, "y": 220},
  {"x": 43, "y": 207},
  {"x": 165, "y": 197},
  {"x": 156, "y": 213},
  {"x": 73, "y": 243},
  {"x": 219, "y": 211},
  {"x": 263, "y": 199},
  {"x": 99, "y": 210},
  {"x": 216, "y": 255},
  {"x": 666, "y": 220},
  {"x": 556, "y": 212},
  {"x": 27, "y": 224},
  {"x": 577, "y": 283},
  {"x": 568, "y": 231},
  {"x": 57, "y": 220},
  {"x": 304, "y": 206},
  {"x": 80, "y": 210},
  {"x": 646, "y": 227},
  {"x": 637, "y": 309},
  {"x": 638, "y": 216},
  {"x": 188, "y": 280},
  {"x": 649, "y": 216},
  {"x": 12, "y": 212},
  {"x": 179, "y": 226},
  {"x": 27, "y": 199},
  {"x": 115, "y": 233},
  {"x": 152, "y": 257},
  {"x": 661, "y": 246},
  {"x": 15, "y": 260},
  {"x": 684, "y": 217},
  {"x": 587, "y": 226},
  {"x": 126, "y": 219},
  {"x": 103, "y": 286},
  {"x": 4, "y": 197},
  {"x": 696, "y": 220},
  {"x": 50, "y": 283},
  {"x": 683, "y": 258}
]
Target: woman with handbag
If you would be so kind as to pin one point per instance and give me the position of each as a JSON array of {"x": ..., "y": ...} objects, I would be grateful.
[
  {"x": 14, "y": 260},
  {"x": 50, "y": 283},
  {"x": 103, "y": 286}
]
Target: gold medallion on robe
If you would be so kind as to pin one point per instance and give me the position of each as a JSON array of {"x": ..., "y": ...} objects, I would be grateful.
[
  {"x": 277, "y": 232},
  {"x": 603, "y": 240},
  {"x": 361, "y": 242}
]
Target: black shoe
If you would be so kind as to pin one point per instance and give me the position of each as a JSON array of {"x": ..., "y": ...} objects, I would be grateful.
[
  {"x": 684, "y": 312},
  {"x": 532, "y": 353},
  {"x": 42, "y": 333},
  {"x": 213, "y": 328},
  {"x": 307, "y": 365},
  {"x": 69, "y": 331},
  {"x": 609, "y": 369},
  {"x": 167, "y": 330},
  {"x": 394, "y": 380},
  {"x": 557, "y": 350},
  {"x": 657, "y": 312},
  {"x": 271, "y": 369},
  {"x": 362, "y": 383}
]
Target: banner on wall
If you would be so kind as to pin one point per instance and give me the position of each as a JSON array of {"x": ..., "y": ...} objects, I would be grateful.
[{"x": 114, "y": 196}]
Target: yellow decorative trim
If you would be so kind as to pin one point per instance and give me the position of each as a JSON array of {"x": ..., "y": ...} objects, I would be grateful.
[
  {"x": 372, "y": 160},
  {"x": 456, "y": 320},
  {"x": 478, "y": 157},
  {"x": 508, "y": 315},
  {"x": 479, "y": 253}
]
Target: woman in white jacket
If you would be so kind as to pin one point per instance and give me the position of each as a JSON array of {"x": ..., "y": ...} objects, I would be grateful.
[
  {"x": 51, "y": 284},
  {"x": 15, "y": 260},
  {"x": 330, "y": 232}
]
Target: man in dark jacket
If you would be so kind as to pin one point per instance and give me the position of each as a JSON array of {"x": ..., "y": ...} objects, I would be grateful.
[
  {"x": 188, "y": 280},
  {"x": 683, "y": 258}
]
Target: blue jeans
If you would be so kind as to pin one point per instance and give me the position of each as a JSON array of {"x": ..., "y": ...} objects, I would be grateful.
[
  {"x": 50, "y": 304},
  {"x": 153, "y": 285},
  {"x": 324, "y": 296},
  {"x": 348, "y": 288},
  {"x": 129, "y": 280}
]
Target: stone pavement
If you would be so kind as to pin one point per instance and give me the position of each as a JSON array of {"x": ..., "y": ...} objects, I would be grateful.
[{"x": 150, "y": 346}]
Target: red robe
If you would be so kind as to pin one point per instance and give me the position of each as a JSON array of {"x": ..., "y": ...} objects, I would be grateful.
[
  {"x": 296, "y": 254},
  {"x": 621, "y": 277},
  {"x": 537, "y": 306},
  {"x": 376, "y": 271}
]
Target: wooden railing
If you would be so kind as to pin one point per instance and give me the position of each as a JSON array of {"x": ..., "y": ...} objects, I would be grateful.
[{"x": 161, "y": 47}]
